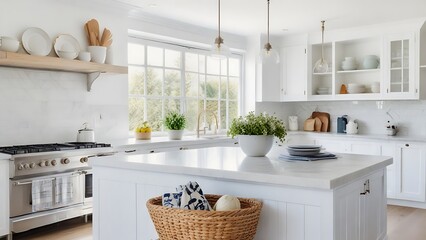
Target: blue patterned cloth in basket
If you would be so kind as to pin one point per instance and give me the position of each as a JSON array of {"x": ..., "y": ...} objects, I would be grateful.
[{"x": 189, "y": 196}]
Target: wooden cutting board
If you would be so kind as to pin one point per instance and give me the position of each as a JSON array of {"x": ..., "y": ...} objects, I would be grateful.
[
  {"x": 325, "y": 120},
  {"x": 309, "y": 125},
  {"x": 318, "y": 124}
]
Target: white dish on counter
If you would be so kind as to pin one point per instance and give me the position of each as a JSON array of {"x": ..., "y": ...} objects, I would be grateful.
[{"x": 36, "y": 42}]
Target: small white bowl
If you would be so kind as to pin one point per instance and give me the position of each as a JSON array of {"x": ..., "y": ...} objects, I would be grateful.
[
  {"x": 67, "y": 54},
  {"x": 9, "y": 44},
  {"x": 84, "y": 56},
  {"x": 98, "y": 53}
]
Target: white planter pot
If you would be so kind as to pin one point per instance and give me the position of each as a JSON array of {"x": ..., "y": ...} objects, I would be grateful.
[
  {"x": 175, "y": 134},
  {"x": 255, "y": 145}
]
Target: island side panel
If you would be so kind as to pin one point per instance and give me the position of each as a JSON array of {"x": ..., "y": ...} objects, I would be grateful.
[{"x": 289, "y": 213}]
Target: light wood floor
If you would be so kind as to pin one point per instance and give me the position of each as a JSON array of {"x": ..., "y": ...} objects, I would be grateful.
[{"x": 403, "y": 223}]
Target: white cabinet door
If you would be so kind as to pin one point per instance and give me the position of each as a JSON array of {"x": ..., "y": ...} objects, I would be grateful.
[
  {"x": 400, "y": 79},
  {"x": 410, "y": 171},
  {"x": 389, "y": 150},
  {"x": 294, "y": 73},
  {"x": 332, "y": 145},
  {"x": 4, "y": 197},
  {"x": 367, "y": 148}
]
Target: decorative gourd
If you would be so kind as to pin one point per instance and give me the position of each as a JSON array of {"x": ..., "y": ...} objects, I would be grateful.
[{"x": 227, "y": 203}]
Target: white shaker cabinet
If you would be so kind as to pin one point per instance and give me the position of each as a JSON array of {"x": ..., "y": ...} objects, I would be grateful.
[
  {"x": 410, "y": 171},
  {"x": 400, "y": 81},
  {"x": 389, "y": 149},
  {"x": 294, "y": 73},
  {"x": 4, "y": 197}
]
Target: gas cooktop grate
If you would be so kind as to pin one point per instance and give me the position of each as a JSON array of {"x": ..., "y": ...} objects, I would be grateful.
[{"x": 23, "y": 149}]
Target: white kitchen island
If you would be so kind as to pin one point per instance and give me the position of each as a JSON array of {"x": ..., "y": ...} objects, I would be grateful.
[{"x": 342, "y": 198}]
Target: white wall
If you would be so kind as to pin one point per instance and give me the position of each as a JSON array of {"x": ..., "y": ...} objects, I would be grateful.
[
  {"x": 372, "y": 116},
  {"x": 43, "y": 106}
]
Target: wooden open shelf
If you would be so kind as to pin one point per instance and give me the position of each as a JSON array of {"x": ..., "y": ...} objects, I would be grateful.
[{"x": 93, "y": 70}]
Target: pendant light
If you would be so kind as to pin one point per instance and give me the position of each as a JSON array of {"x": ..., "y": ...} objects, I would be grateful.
[
  {"x": 219, "y": 49},
  {"x": 268, "y": 53},
  {"x": 321, "y": 66}
]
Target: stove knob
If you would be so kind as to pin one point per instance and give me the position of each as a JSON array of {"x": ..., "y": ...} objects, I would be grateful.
[
  {"x": 41, "y": 164},
  {"x": 32, "y": 165},
  {"x": 65, "y": 160},
  {"x": 46, "y": 163},
  {"x": 20, "y": 167},
  {"x": 84, "y": 159},
  {"x": 53, "y": 162},
  {"x": 26, "y": 165}
]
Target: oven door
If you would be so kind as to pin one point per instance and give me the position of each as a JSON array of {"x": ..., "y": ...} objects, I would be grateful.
[
  {"x": 38, "y": 194},
  {"x": 88, "y": 188}
]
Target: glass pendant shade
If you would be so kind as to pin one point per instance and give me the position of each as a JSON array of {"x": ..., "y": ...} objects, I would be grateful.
[
  {"x": 219, "y": 49},
  {"x": 269, "y": 54},
  {"x": 321, "y": 66}
]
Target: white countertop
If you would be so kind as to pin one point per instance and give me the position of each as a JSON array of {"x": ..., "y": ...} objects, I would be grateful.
[
  {"x": 5, "y": 156},
  {"x": 156, "y": 142},
  {"x": 360, "y": 136},
  {"x": 231, "y": 163}
]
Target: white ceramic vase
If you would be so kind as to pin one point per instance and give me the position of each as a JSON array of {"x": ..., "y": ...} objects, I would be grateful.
[
  {"x": 255, "y": 145},
  {"x": 175, "y": 134}
]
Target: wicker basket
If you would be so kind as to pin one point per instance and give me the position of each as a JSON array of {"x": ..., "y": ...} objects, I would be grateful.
[{"x": 178, "y": 224}]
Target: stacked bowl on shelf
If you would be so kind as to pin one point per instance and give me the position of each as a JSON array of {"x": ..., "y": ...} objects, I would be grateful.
[
  {"x": 375, "y": 87},
  {"x": 356, "y": 88},
  {"x": 349, "y": 64},
  {"x": 323, "y": 90}
]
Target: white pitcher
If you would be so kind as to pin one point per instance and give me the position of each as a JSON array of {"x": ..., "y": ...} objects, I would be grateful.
[
  {"x": 352, "y": 127},
  {"x": 292, "y": 123}
]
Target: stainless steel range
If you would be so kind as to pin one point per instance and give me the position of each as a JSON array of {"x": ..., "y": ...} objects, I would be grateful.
[{"x": 50, "y": 182}]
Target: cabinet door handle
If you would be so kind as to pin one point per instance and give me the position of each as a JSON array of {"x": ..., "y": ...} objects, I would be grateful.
[
  {"x": 366, "y": 187},
  {"x": 183, "y": 148},
  {"x": 152, "y": 151},
  {"x": 407, "y": 145}
]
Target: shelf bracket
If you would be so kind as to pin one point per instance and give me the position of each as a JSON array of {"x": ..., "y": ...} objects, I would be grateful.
[{"x": 91, "y": 77}]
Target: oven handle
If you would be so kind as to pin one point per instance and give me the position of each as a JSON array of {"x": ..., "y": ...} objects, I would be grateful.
[
  {"x": 51, "y": 179},
  {"x": 29, "y": 182}
]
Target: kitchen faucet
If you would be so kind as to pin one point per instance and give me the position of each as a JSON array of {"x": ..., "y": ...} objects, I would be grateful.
[{"x": 204, "y": 129}]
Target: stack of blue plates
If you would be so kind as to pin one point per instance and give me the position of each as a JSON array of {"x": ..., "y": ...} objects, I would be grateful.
[{"x": 303, "y": 150}]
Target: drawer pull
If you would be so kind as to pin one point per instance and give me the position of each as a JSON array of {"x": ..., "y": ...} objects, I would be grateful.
[{"x": 407, "y": 145}]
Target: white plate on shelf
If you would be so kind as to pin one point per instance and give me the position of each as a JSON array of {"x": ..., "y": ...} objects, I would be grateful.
[
  {"x": 36, "y": 42},
  {"x": 66, "y": 43}
]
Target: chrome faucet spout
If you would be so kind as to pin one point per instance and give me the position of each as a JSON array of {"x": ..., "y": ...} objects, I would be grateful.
[{"x": 204, "y": 129}]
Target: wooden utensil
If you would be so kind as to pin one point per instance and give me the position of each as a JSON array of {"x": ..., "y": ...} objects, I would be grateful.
[
  {"x": 309, "y": 125},
  {"x": 93, "y": 40},
  {"x": 106, "y": 40},
  {"x": 86, "y": 30},
  {"x": 93, "y": 27}
]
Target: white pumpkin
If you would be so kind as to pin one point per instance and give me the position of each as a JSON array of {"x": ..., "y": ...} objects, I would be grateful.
[{"x": 227, "y": 203}]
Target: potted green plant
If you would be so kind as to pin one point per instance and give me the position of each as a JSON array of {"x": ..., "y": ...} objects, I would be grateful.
[
  {"x": 256, "y": 133},
  {"x": 175, "y": 122},
  {"x": 143, "y": 131}
]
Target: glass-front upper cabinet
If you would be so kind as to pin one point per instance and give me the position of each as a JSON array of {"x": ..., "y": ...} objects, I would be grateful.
[{"x": 400, "y": 80}]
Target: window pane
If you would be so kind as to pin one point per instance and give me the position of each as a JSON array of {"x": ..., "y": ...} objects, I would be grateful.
[
  {"x": 171, "y": 105},
  {"x": 233, "y": 110},
  {"x": 154, "y": 116},
  {"x": 191, "y": 114},
  {"x": 213, "y": 65},
  {"x": 224, "y": 67},
  {"x": 136, "y": 54},
  {"x": 223, "y": 83},
  {"x": 136, "y": 80},
  {"x": 172, "y": 83},
  {"x": 155, "y": 56},
  {"x": 211, "y": 108},
  {"x": 234, "y": 67},
  {"x": 154, "y": 81},
  {"x": 202, "y": 63},
  {"x": 212, "y": 87},
  {"x": 202, "y": 92},
  {"x": 191, "y": 62},
  {"x": 233, "y": 88},
  {"x": 223, "y": 115},
  {"x": 135, "y": 112},
  {"x": 191, "y": 85},
  {"x": 173, "y": 58}
]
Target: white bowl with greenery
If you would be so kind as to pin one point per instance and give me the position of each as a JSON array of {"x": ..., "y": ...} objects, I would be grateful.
[
  {"x": 175, "y": 122},
  {"x": 256, "y": 133}
]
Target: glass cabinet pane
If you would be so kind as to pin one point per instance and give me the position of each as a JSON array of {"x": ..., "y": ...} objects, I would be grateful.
[{"x": 399, "y": 66}]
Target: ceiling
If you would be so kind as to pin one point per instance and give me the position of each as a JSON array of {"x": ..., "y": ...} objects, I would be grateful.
[{"x": 246, "y": 17}]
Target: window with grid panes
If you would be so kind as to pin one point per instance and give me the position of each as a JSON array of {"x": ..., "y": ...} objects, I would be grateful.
[{"x": 165, "y": 77}]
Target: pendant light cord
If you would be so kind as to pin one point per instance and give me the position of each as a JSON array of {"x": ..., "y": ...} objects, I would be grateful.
[
  {"x": 268, "y": 20},
  {"x": 322, "y": 41}
]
